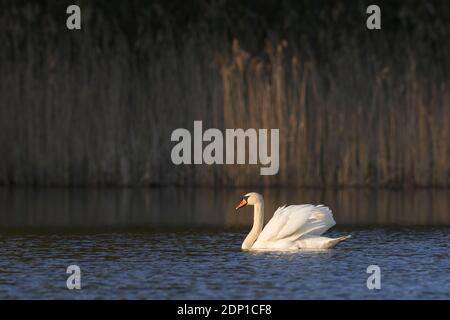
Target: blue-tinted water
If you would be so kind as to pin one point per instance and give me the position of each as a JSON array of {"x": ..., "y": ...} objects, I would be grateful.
[
  {"x": 185, "y": 243},
  {"x": 414, "y": 264}
]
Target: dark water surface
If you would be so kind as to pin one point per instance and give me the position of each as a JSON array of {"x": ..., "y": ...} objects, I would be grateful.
[{"x": 172, "y": 243}]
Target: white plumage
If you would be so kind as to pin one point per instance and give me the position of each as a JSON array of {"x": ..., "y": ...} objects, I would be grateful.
[{"x": 291, "y": 227}]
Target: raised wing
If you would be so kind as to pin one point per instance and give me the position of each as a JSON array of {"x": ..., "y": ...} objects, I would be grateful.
[{"x": 292, "y": 222}]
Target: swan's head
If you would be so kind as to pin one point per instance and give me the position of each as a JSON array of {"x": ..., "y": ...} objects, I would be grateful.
[{"x": 251, "y": 198}]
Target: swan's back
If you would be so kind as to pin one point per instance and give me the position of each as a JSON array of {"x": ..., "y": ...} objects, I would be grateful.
[{"x": 291, "y": 223}]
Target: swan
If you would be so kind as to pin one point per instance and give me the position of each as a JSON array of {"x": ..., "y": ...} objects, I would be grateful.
[{"x": 291, "y": 227}]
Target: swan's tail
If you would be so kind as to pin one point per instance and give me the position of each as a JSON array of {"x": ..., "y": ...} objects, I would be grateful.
[
  {"x": 335, "y": 241},
  {"x": 315, "y": 243}
]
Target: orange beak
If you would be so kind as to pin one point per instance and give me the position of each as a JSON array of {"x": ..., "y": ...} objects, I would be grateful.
[{"x": 241, "y": 204}]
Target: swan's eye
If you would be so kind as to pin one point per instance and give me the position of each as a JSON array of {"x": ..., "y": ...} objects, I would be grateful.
[
  {"x": 245, "y": 198},
  {"x": 242, "y": 203}
]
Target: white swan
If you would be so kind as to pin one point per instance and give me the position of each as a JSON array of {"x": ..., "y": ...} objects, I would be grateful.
[{"x": 291, "y": 228}]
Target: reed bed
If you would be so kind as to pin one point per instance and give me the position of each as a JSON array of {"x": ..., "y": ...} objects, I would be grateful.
[{"x": 97, "y": 106}]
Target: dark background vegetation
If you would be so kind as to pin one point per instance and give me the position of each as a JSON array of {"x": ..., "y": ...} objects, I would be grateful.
[{"x": 97, "y": 106}]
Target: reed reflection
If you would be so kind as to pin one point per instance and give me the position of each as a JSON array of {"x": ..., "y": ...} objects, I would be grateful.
[{"x": 186, "y": 208}]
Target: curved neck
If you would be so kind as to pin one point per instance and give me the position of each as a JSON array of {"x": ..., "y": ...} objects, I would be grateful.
[{"x": 258, "y": 222}]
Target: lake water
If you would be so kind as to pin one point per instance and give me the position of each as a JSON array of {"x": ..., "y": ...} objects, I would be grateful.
[{"x": 174, "y": 243}]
